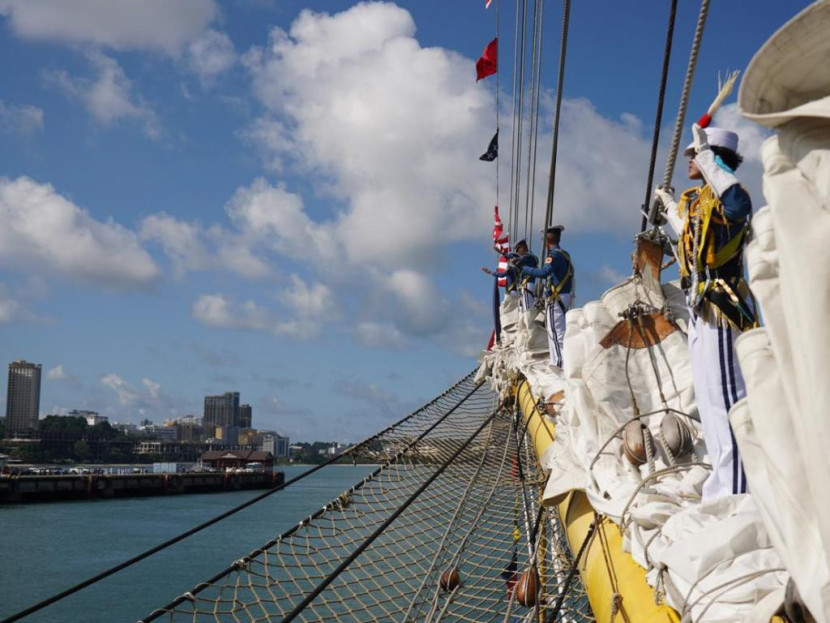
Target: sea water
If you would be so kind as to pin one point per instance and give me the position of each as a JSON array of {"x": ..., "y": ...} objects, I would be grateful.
[{"x": 48, "y": 547}]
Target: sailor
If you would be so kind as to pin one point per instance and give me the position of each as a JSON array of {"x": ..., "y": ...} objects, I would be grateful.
[
  {"x": 712, "y": 221},
  {"x": 558, "y": 275},
  {"x": 518, "y": 286}
]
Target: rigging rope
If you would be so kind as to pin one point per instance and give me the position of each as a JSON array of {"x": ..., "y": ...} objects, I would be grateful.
[
  {"x": 684, "y": 96},
  {"x": 658, "y": 118},
  {"x": 563, "y": 47}
]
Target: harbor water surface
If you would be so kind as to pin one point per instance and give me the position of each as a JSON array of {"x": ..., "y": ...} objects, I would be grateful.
[{"x": 46, "y": 548}]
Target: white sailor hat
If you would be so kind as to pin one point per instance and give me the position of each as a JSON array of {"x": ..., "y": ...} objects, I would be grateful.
[
  {"x": 788, "y": 77},
  {"x": 554, "y": 228},
  {"x": 716, "y": 137}
]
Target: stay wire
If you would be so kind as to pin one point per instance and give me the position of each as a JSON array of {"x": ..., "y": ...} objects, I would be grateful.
[
  {"x": 563, "y": 47},
  {"x": 536, "y": 123},
  {"x": 188, "y": 533},
  {"x": 512, "y": 217},
  {"x": 520, "y": 124},
  {"x": 498, "y": 91},
  {"x": 658, "y": 118},
  {"x": 532, "y": 117}
]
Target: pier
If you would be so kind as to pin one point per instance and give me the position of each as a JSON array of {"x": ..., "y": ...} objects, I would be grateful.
[{"x": 54, "y": 488}]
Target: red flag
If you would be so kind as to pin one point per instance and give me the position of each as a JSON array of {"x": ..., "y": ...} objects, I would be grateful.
[
  {"x": 501, "y": 243},
  {"x": 488, "y": 64},
  {"x": 487, "y": 3}
]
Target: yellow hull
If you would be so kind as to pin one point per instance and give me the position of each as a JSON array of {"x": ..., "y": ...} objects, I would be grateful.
[{"x": 607, "y": 571}]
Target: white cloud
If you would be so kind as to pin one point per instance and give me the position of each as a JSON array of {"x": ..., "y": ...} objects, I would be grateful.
[
  {"x": 57, "y": 373},
  {"x": 24, "y": 120},
  {"x": 210, "y": 55},
  {"x": 152, "y": 387},
  {"x": 270, "y": 215},
  {"x": 127, "y": 395},
  {"x": 421, "y": 310},
  {"x": 379, "y": 335},
  {"x": 190, "y": 247},
  {"x": 42, "y": 231},
  {"x": 315, "y": 301},
  {"x": 180, "y": 241},
  {"x": 311, "y": 306},
  {"x": 218, "y": 310},
  {"x": 390, "y": 128},
  {"x": 120, "y": 24},
  {"x": 108, "y": 96}
]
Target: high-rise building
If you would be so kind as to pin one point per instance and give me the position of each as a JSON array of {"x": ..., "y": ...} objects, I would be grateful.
[
  {"x": 22, "y": 398},
  {"x": 245, "y": 416},
  {"x": 276, "y": 444},
  {"x": 221, "y": 410}
]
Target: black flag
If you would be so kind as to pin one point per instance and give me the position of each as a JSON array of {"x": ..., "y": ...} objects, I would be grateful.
[{"x": 492, "y": 150}]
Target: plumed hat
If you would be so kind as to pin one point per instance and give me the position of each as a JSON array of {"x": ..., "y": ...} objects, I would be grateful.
[{"x": 717, "y": 137}]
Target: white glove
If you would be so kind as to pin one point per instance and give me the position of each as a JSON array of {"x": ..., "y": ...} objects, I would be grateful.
[
  {"x": 666, "y": 198},
  {"x": 701, "y": 140},
  {"x": 669, "y": 208}
]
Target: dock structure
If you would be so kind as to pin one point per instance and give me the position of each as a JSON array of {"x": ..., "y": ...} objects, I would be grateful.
[{"x": 53, "y": 488}]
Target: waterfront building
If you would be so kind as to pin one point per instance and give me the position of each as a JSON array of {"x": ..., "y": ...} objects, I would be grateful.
[
  {"x": 237, "y": 459},
  {"x": 22, "y": 399},
  {"x": 221, "y": 410},
  {"x": 245, "y": 416}
]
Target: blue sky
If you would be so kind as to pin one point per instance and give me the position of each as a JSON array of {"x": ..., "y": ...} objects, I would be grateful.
[{"x": 199, "y": 197}]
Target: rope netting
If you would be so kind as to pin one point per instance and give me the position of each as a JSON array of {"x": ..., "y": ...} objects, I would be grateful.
[{"x": 457, "y": 487}]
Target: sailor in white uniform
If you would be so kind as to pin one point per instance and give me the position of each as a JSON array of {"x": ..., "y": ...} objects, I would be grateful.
[{"x": 712, "y": 222}]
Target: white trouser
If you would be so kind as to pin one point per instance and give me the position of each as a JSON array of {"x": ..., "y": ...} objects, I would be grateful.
[
  {"x": 526, "y": 299},
  {"x": 718, "y": 385},
  {"x": 555, "y": 325}
]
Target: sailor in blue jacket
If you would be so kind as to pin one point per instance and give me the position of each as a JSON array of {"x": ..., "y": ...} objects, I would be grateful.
[
  {"x": 516, "y": 285},
  {"x": 558, "y": 275}
]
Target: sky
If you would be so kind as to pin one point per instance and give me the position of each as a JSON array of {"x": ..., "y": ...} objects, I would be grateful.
[{"x": 285, "y": 199}]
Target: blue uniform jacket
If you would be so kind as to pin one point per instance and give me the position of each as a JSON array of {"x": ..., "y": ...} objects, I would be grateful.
[
  {"x": 517, "y": 262},
  {"x": 556, "y": 268}
]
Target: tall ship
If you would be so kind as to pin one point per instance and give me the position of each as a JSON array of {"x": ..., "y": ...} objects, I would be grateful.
[{"x": 571, "y": 486}]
